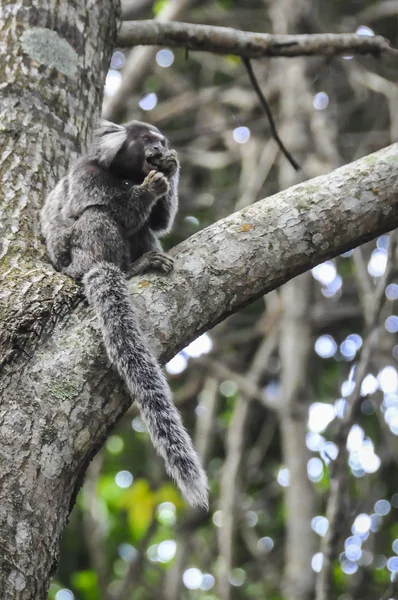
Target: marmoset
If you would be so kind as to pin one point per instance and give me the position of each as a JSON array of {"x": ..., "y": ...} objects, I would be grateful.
[{"x": 101, "y": 224}]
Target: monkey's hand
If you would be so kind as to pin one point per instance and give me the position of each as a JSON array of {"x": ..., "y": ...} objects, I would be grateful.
[
  {"x": 168, "y": 163},
  {"x": 156, "y": 184}
]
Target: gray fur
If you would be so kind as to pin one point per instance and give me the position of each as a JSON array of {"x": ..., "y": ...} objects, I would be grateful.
[{"x": 101, "y": 223}]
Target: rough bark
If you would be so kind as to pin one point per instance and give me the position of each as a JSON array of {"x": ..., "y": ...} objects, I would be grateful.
[
  {"x": 53, "y": 62},
  {"x": 54, "y": 57}
]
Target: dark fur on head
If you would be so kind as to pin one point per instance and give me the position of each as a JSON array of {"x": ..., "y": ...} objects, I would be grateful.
[
  {"x": 101, "y": 223},
  {"x": 130, "y": 151}
]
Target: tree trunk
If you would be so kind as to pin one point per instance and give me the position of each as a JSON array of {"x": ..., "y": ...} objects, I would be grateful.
[{"x": 54, "y": 57}]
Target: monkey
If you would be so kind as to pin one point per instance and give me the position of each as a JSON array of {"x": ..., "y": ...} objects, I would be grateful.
[{"x": 101, "y": 225}]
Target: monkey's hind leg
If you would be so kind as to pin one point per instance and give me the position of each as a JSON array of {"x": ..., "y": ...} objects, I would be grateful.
[{"x": 96, "y": 239}]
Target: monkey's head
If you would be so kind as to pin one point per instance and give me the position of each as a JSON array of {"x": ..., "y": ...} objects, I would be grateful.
[{"x": 130, "y": 151}]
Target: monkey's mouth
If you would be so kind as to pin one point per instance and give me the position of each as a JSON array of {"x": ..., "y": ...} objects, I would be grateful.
[{"x": 152, "y": 161}]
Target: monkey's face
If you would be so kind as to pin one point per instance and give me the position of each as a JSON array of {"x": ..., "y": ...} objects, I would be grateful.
[
  {"x": 140, "y": 152},
  {"x": 155, "y": 145}
]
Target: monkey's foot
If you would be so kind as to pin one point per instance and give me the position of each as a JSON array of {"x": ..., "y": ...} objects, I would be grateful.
[{"x": 152, "y": 261}]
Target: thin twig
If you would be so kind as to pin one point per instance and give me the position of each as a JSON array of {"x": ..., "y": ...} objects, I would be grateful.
[{"x": 267, "y": 110}]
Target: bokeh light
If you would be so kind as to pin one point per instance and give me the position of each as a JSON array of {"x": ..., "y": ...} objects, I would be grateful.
[
  {"x": 167, "y": 550},
  {"x": 165, "y": 58},
  {"x": 364, "y": 30},
  {"x": 320, "y": 415},
  {"x": 148, "y": 102},
  {"x": 241, "y": 135},
  {"x": 361, "y": 525},
  {"x": 112, "y": 82},
  {"x": 283, "y": 477},
  {"x": 118, "y": 59},
  {"x": 265, "y": 544},
  {"x": 320, "y": 101},
  {"x": 177, "y": 364},
  {"x": 317, "y": 562},
  {"x": 124, "y": 479},
  {"x": 192, "y": 578},
  {"x": 378, "y": 262},
  {"x": 320, "y": 525},
  {"x": 64, "y": 594},
  {"x": 325, "y": 346}
]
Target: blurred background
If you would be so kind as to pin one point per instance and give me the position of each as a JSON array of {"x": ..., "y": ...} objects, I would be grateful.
[{"x": 263, "y": 393}]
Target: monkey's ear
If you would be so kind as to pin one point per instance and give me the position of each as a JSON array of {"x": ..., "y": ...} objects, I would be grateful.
[
  {"x": 105, "y": 127},
  {"x": 108, "y": 140}
]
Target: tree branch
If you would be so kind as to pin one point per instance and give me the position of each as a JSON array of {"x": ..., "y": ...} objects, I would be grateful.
[
  {"x": 225, "y": 40},
  {"x": 132, "y": 10},
  {"x": 380, "y": 10},
  {"x": 267, "y": 110}
]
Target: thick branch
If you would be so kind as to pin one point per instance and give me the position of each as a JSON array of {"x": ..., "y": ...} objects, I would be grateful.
[
  {"x": 225, "y": 40},
  {"x": 63, "y": 402}
]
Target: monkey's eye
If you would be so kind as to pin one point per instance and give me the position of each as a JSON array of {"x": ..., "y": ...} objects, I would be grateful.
[{"x": 146, "y": 138}]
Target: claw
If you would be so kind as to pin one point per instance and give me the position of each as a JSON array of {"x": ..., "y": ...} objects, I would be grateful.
[{"x": 161, "y": 262}]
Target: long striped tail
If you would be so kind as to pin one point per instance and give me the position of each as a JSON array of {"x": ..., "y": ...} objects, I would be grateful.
[{"x": 107, "y": 292}]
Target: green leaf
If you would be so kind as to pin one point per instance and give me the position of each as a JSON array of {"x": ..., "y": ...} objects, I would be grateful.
[
  {"x": 86, "y": 583},
  {"x": 108, "y": 490},
  {"x": 140, "y": 502},
  {"x": 159, "y": 6}
]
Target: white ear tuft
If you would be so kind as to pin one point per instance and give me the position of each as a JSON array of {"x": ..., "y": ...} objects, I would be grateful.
[
  {"x": 108, "y": 140},
  {"x": 107, "y": 127}
]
